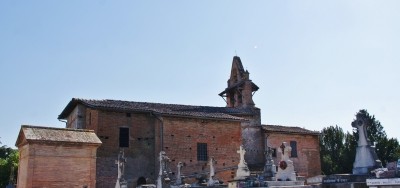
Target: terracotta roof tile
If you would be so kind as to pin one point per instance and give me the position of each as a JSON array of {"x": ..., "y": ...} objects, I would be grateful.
[
  {"x": 160, "y": 108},
  {"x": 51, "y": 134},
  {"x": 287, "y": 129}
]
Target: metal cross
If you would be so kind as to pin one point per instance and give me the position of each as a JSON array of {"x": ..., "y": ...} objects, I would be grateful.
[{"x": 283, "y": 148}]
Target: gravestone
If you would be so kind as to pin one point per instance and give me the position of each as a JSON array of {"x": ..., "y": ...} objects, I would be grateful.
[
  {"x": 285, "y": 168},
  {"x": 121, "y": 182},
  {"x": 242, "y": 173},
  {"x": 366, "y": 158},
  {"x": 243, "y": 170},
  {"x": 163, "y": 174},
  {"x": 285, "y": 177},
  {"x": 211, "y": 180},
  {"x": 178, "y": 175},
  {"x": 269, "y": 167}
]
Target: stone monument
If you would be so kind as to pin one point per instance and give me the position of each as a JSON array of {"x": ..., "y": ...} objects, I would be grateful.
[
  {"x": 243, "y": 171},
  {"x": 211, "y": 181},
  {"x": 285, "y": 177},
  {"x": 366, "y": 159},
  {"x": 269, "y": 167},
  {"x": 163, "y": 174},
  {"x": 178, "y": 174},
  {"x": 121, "y": 182},
  {"x": 286, "y": 168}
]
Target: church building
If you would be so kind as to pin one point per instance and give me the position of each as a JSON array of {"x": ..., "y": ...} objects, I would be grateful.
[{"x": 188, "y": 134}]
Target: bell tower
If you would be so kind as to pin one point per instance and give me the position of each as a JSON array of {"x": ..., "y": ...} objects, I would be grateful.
[
  {"x": 240, "y": 90},
  {"x": 239, "y": 95}
]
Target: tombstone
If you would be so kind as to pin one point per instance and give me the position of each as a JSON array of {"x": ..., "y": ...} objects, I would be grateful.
[
  {"x": 366, "y": 158},
  {"x": 178, "y": 174},
  {"x": 211, "y": 181},
  {"x": 285, "y": 168},
  {"x": 121, "y": 182},
  {"x": 269, "y": 167},
  {"x": 243, "y": 171},
  {"x": 163, "y": 175},
  {"x": 285, "y": 177}
]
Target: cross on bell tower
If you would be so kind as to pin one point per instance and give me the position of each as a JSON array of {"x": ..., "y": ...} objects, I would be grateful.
[{"x": 240, "y": 90}]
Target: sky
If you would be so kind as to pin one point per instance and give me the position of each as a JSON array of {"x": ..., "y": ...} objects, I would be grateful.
[{"x": 317, "y": 63}]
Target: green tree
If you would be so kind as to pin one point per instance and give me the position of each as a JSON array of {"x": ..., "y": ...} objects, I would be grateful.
[
  {"x": 349, "y": 153},
  {"x": 8, "y": 161},
  {"x": 332, "y": 147}
]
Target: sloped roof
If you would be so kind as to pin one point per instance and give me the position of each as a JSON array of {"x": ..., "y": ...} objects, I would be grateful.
[
  {"x": 254, "y": 87},
  {"x": 29, "y": 134},
  {"x": 287, "y": 129},
  {"x": 224, "y": 113}
]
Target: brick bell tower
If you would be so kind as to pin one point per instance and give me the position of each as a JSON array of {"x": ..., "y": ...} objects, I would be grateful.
[
  {"x": 240, "y": 90},
  {"x": 239, "y": 95}
]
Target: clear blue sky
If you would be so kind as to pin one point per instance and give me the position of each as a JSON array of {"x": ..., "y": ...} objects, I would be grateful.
[{"x": 316, "y": 62}]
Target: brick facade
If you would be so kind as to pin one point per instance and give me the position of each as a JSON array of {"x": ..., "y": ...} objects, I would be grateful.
[
  {"x": 149, "y": 134},
  {"x": 223, "y": 138},
  {"x": 140, "y": 153}
]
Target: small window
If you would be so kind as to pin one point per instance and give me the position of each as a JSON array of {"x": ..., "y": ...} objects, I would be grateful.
[
  {"x": 123, "y": 137},
  {"x": 202, "y": 152},
  {"x": 293, "y": 145}
]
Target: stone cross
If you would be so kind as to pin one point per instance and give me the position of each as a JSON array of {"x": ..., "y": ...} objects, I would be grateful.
[
  {"x": 121, "y": 182},
  {"x": 285, "y": 151},
  {"x": 243, "y": 171},
  {"x": 366, "y": 158},
  {"x": 241, "y": 151},
  {"x": 178, "y": 175},
  {"x": 211, "y": 181},
  {"x": 269, "y": 167},
  {"x": 163, "y": 174}
]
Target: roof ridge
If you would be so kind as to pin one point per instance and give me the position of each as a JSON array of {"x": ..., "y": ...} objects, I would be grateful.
[
  {"x": 111, "y": 100},
  {"x": 284, "y": 126},
  {"x": 56, "y": 128}
]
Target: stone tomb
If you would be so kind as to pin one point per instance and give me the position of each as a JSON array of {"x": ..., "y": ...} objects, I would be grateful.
[
  {"x": 285, "y": 175},
  {"x": 55, "y": 157}
]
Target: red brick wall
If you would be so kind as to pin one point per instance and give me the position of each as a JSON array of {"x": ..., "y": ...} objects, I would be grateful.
[
  {"x": 223, "y": 139},
  {"x": 140, "y": 154},
  {"x": 308, "y": 161},
  {"x": 57, "y": 165},
  {"x": 180, "y": 138}
]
